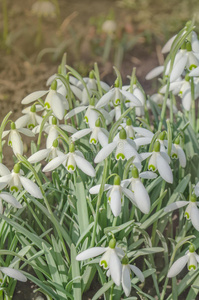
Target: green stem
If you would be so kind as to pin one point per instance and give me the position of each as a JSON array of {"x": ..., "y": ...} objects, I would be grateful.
[
  {"x": 193, "y": 106},
  {"x": 163, "y": 112},
  {"x": 99, "y": 202},
  {"x": 41, "y": 128},
  {"x": 157, "y": 209}
]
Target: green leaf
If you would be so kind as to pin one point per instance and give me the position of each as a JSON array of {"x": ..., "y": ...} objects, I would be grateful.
[
  {"x": 75, "y": 273},
  {"x": 82, "y": 210},
  {"x": 103, "y": 289}
]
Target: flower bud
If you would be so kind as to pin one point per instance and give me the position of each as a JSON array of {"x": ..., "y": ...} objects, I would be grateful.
[
  {"x": 125, "y": 260},
  {"x": 117, "y": 83},
  {"x": 91, "y": 75},
  {"x": 129, "y": 122}
]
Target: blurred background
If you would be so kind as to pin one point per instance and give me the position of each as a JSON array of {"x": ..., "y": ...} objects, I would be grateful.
[{"x": 125, "y": 33}]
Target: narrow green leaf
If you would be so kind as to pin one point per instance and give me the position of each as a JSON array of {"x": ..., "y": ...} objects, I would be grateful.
[
  {"x": 75, "y": 273},
  {"x": 82, "y": 209}
]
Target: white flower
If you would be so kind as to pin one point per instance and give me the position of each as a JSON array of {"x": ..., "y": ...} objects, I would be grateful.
[
  {"x": 97, "y": 134},
  {"x": 9, "y": 199},
  {"x": 13, "y": 273},
  {"x": 109, "y": 260},
  {"x": 159, "y": 99},
  {"x": 109, "y": 26},
  {"x": 54, "y": 100},
  {"x": 48, "y": 153},
  {"x": 124, "y": 149},
  {"x": 44, "y": 9},
  {"x": 126, "y": 275},
  {"x": 70, "y": 161},
  {"x": 30, "y": 119},
  {"x": 191, "y": 212},
  {"x": 114, "y": 195},
  {"x": 15, "y": 180},
  {"x": 158, "y": 161},
  {"x": 51, "y": 130},
  {"x": 154, "y": 72},
  {"x": 178, "y": 153},
  {"x": 116, "y": 96},
  {"x": 140, "y": 195},
  {"x": 14, "y": 138},
  {"x": 190, "y": 258}
]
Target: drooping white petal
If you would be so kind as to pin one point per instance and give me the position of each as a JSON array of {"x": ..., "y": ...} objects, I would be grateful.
[
  {"x": 115, "y": 201},
  {"x": 115, "y": 268},
  {"x": 33, "y": 96},
  {"x": 68, "y": 128},
  {"x": 4, "y": 170},
  {"x": 81, "y": 133},
  {"x": 105, "y": 98},
  {"x": 126, "y": 280},
  {"x": 10, "y": 199},
  {"x": 141, "y": 197},
  {"x": 58, "y": 105},
  {"x": 181, "y": 155},
  {"x": 4, "y": 180},
  {"x": 177, "y": 267},
  {"x": 76, "y": 91},
  {"x": 154, "y": 73},
  {"x": 89, "y": 253},
  {"x": 26, "y": 131},
  {"x": 16, "y": 142},
  {"x": 22, "y": 121},
  {"x": 129, "y": 194},
  {"x": 164, "y": 169},
  {"x": 84, "y": 165},
  {"x": 141, "y": 141},
  {"x": 134, "y": 101},
  {"x": 143, "y": 132},
  {"x": 168, "y": 45},
  {"x": 13, "y": 274},
  {"x": 194, "y": 216},
  {"x": 137, "y": 272},
  {"x": 38, "y": 156},
  {"x": 52, "y": 135},
  {"x": 105, "y": 86},
  {"x": 75, "y": 111},
  {"x": 95, "y": 189},
  {"x": 104, "y": 152},
  {"x": 196, "y": 189},
  {"x": 178, "y": 68},
  {"x": 148, "y": 175},
  {"x": 54, "y": 163},
  {"x": 102, "y": 137},
  {"x": 194, "y": 41},
  {"x": 186, "y": 99},
  {"x": 129, "y": 151},
  {"x": 31, "y": 187},
  {"x": 176, "y": 205}
]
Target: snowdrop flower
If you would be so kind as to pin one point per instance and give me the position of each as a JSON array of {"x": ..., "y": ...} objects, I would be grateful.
[
  {"x": 91, "y": 114},
  {"x": 70, "y": 161},
  {"x": 51, "y": 130},
  {"x": 126, "y": 275},
  {"x": 114, "y": 195},
  {"x": 116, "y": 96},
  {"x": 137, "y": 92},
  {"x": 44, "y": 9},
  {"x": 158, "y": 98},
  {"x": 140, "y": 195},
  {"x": 191, "y": 212},
  {"x": 124, "y": 149},
  {"x": 158, "y": 161},
  {"x": 178, "y": 153},
  {"x": 97, "y": 134},
  {"x": 54, "y": 100},
  {"x": 154, "y": 72},
  {"x": 13, "y": 273},
  {"x": 109, "y": 259},
  {"x": 48, "y": 153},
  {"x": 15, "y": 180},
  {"x": 14, "y": 138},
  {"x": 9, "y": 199},
  {"x": 30, "y": 119},
  {"x": 109, "y": 26},
  {"x": 191, "y": 259}
]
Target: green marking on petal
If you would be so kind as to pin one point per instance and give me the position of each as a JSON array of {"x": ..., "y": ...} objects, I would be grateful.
[
  {"x": 103, "y": 264},
  {"x": 192, "y": 67},
  {"x": 187, "y": 215},
  {"x": 31, "y": 126},
  {"x": 152, "y": 168},
  {"x": 47, "y": 105},
  {"x": 71, "y": 167},
  {"x": 14, "y": 188},
  {"x": 93, "y": 141},
  {"x": 117, "y": 102},
  {"x": 10, "y": 143},
  {"x": 120, "y": 156},
  {"x": 127, "y": 101},
  {"x": 86, "y": 119},
  {"x": 192, "y": 267},
  {"x": 174, "y": 156}
]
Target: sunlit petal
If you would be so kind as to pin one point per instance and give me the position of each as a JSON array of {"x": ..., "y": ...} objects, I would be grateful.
[
  {"x": 164, "y": 169},
  {"x": 33, "y": 96},
  {"x": 126, "y": 280},
  {"x": 105, "y": 151},
  {"x": 177, "y": 267},
  {"x": 31, "y": 187},
  {"x": 89, "y": 253},
  {"x": 175, "y": 205},
  {"x": 13, "y": 274},
  {"x": 84, "y": 165},
  {"x": 137, "y": 272}
]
